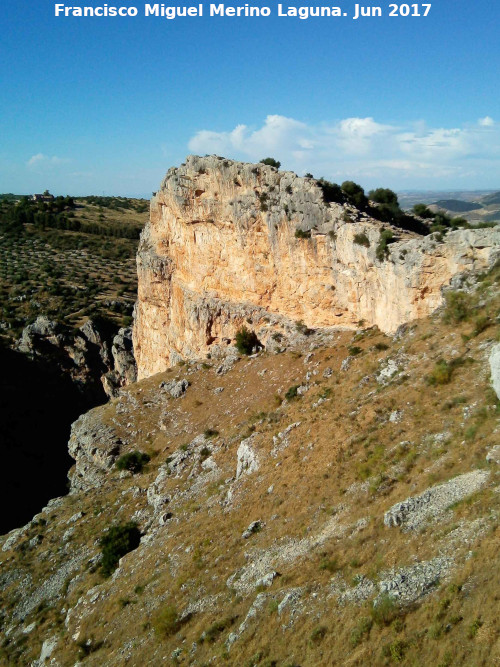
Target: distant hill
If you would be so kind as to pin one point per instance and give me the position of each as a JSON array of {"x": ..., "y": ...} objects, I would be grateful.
[
  {"x": 457, "y": 205},
  {"x": 408, "y": 198},
  {"x": 494, "y": 198}
]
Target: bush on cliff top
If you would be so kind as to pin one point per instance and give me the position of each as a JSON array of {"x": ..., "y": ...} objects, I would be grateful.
[{"x": 271, "y": 162}]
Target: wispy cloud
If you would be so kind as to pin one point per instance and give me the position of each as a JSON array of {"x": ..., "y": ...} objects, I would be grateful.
[
  {"x": 403, "y": 155},
  {"x": 40, "y": 160}
]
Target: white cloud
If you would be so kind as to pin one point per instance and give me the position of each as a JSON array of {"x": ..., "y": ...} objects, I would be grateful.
[
  {"x": 40, "y": 160},
  {"x": 407, "y": 155},
  {"x": 356, "y": 135},
  {"x": 278, "y": 132}
]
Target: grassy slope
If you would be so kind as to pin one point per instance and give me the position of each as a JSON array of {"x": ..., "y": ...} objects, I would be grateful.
[{"x": 343, "y": 468}]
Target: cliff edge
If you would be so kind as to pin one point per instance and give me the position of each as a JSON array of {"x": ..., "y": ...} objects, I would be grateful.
[{"x": 231, "y": 244}]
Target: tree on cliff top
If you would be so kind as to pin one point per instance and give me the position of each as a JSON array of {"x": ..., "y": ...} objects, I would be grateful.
[
  {"x": 355, "y": 194},
  {"x": 271, "y": 162}
]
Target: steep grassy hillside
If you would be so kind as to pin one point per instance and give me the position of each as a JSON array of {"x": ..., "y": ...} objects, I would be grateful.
[{"x": 268, "y": 512}]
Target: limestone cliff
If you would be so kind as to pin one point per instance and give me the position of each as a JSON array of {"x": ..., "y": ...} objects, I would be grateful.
[
  {"x": 221, "y": 250},
  {"x": 97, "y": 358}
]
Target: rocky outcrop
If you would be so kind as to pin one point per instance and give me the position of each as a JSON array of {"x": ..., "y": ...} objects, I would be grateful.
[
  {"x": 123, "y": 367},
  {"x": 495, "y": 368},
  {"x": 413, "y": 512},
  {"x": 231, "y": 244},
  {"x": 95, "y": 357},
  {"x": 95, "y": 448}
]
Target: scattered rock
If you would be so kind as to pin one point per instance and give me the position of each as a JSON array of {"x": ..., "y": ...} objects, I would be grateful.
[
  {"x": 387, "y": 372},
  {"x": 254, "y": 527},
  {"x": 494, "y": 361},
  {"x": 176, "y": 388},
  {"x": 408, "y": 584},
  {"x": 226, "y": 366},
  {"x": 281, "y": 441},
  {"x": 48, "y": 648},
  {"x": 344, "y": 366},
  {"x": 396, "y": 416},
  {"x": 156, "y": 498},
  {"x": 289, "y": 599},
  {"x": 267, "y": 579},
  {"x": 493, "y": 456},
  {"x": 364, "y": 589},
  {"x": 248, "y": 461},
  {"x": 413, "y": 512}
]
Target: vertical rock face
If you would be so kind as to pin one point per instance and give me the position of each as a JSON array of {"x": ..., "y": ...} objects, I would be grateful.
[
  {"x": 83, "y": 355},
  {"x": 221, "y": 250}
]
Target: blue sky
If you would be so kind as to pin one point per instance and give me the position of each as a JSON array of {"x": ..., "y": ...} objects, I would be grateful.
[{"x": 92, "y": 105}]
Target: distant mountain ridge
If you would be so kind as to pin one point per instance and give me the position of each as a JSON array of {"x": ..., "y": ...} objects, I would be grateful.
[
  {"x": 457, "y": 205},
  {"x": 491, "y": 199}
]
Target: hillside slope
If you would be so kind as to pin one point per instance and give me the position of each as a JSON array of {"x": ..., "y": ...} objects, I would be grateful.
[{"x": 332, "y": 503}]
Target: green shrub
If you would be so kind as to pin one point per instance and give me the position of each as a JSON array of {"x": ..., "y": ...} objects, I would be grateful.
[
  {"x": 210, "y": 433},
  {"x": 117, "y": 542},
  {"x": 302, "y": 328},
  {"x": 246, "y": 341},
  {"x": 204, "y": 453},
  {"x": 480, "y": 324},
  {"x": 167, "y": 621},
  {"x": 458, "y": 307},
  {"x": 385, "y": 610},
  {"x": 383, "y": 196},
  {"x": 361, "y": 631},
  {"x": 355, "y": 194},
  {"x": 331, "y": 191},
  {"x": 354, "y": 350},
  {"x": 381, "y": 346},
  {"x": 474, "y": 627},
  {"x": 441, "y": 374},
  {"x": 422, "y": 211},
  {"x": 395, "y": 650},
  {"x": 263, "y": 197},
  {"x": 300, "y": 234},
  {"x": 362, "y": 239},
  {"x": 292, "y": 392},
  {"x": 216, "y": 629},
  {"x": 443, "y": 370},
  {"x": 271, "y": 162},
  {"x": 318, "y": 634},
  {"x": 133, "y": 461},
  {"x": 386, "y": 237},
  {"x": 329, "y": 564}
]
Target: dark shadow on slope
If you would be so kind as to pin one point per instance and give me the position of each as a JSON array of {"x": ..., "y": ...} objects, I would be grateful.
[{"x": 37, "y": 407}]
